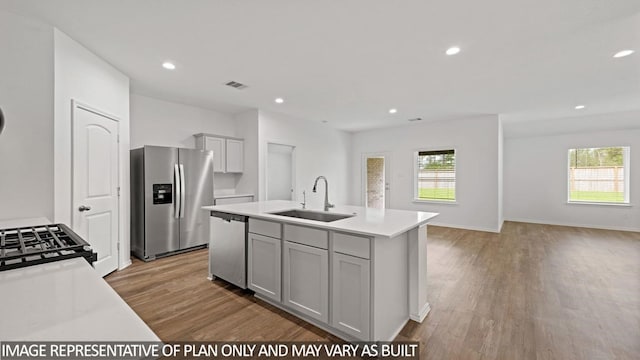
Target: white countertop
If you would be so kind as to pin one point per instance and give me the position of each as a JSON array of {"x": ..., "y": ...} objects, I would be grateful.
[
  {"x": 65, "y": 301},
  {"x": 368, "y": 221}
]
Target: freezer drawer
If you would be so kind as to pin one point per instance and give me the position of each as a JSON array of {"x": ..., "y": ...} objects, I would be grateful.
[{"x": 227, "y": 255}]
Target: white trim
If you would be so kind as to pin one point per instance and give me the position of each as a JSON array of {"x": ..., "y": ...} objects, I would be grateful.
[
  {"x": 434, "y": 201},
  {"x": 587, "y": 226},
  {"x": 387, "y": 176},
  {"x": 626, "y": 158},
  {"x": 464, "y": 227},
  {"x": 603, "y": 203},
  {"x": 123, "y": 261},
  {"x": 125, "y": 264},
  {"x": 415, "y": 173},
  {"x": 423, "y": 314}
]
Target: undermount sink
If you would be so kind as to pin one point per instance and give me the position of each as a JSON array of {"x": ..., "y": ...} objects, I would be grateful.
[{"x": 313, "y": 215}]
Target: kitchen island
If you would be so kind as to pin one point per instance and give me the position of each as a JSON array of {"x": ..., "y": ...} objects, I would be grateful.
[{"x": 360, "y": 273}]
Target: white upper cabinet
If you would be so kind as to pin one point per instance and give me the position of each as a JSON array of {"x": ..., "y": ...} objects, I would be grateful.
[
  {"x": 228, "y": 153},
  {"x": 218, "y": 147},
  {"x": 235, "y": 155}
]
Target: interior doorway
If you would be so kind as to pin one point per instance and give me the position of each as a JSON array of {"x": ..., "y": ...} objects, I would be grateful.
[
  {"x": 280, "y": 171},
  {"x": 95, "y": 183},
  {"x": 376, "y": 181}
]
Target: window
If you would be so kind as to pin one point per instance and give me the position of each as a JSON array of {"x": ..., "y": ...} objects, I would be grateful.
[
  {"x": 599, "y": 175},
  {"x": 435, "y": 175}
]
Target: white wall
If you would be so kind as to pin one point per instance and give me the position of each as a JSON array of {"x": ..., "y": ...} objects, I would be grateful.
[
  {"x": 536, "y": 180},
  {"x": 164, "y": 123},
  {"x": 320, "y": 150},
  {"x": 247, "y": 127},
  {"x": 26, "y": 98},
  {"x": 476, "y": 141},
  {"x": 82, "y": 76}
]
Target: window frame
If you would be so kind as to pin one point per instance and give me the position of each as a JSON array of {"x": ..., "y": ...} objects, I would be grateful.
[
  {"x": 416, "y": 154},
  {"x": 626, "y": 162}
]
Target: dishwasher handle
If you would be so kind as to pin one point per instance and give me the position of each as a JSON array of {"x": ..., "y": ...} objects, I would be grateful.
[{"x": 229, "y": 217}]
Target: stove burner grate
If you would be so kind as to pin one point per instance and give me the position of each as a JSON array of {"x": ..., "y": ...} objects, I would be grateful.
[{"x": 25, "y": 246}]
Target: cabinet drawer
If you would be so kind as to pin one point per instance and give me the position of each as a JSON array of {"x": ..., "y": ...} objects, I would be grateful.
[
  {"x": 306, "y": 236},
  {"x": 351, "y": 245},
  {"x": 267, "y": 228},
  {"x": 233, "y": 200}
]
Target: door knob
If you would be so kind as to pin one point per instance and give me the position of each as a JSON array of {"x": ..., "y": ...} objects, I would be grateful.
[{"x": 84, "y": 208}]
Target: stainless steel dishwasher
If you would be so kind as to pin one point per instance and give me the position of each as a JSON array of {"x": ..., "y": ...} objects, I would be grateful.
[{"x": 227, "y": 251}]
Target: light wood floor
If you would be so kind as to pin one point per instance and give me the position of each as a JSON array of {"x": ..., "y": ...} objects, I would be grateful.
[{"x": 531, "y": 292}]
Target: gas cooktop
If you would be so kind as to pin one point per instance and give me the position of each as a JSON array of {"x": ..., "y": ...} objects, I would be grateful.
[{"x": 32, "y": 245}]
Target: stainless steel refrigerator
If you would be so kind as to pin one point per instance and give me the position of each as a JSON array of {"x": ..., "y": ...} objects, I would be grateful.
[{"x": 168, "y": 188}]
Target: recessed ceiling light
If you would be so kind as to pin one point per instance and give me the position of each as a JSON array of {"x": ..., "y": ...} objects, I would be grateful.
[
  {"x": 168, "y": 65},
  {"x": 279, "y": 100},
  {"x": 623, "y": 53},
  {"x": 393, "y": 111},
  {"x": 453, "y": 50},
  {"x": 579, "y": 107}
]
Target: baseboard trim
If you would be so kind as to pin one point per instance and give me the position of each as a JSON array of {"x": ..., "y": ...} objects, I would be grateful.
[
  {"x": 422, "y": 315},
  {"x": 464, "y": 227},
  {"x": 587, "y": 226},
  {"x": 125, "y": 265}
]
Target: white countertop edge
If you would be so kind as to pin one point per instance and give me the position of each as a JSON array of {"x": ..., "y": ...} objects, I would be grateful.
[{"x": 337, "y": 225}]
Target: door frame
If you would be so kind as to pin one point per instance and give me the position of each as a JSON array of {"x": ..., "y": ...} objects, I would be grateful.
[
  {"x": 75, "y": 106},
  {"x": 293, "y": 170},
  {"x": 363, "y": 177}
]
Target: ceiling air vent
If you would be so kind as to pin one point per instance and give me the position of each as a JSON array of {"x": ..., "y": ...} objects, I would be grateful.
[
  {"x": 236, "y": 85},
  {"x": 415, "y": 119}
]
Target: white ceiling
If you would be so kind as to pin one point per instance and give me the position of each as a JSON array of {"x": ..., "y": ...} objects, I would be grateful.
[{"x": 348, "y": 62}]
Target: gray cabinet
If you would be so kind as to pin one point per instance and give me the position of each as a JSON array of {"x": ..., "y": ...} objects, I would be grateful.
[
  {"x": 351, "y": 297},
  {"x": 306, "y": 280},
  {"x": 226, "y": 200},
  {"x": 265, "y": 265},
  {"x": 228, "y": 153}
]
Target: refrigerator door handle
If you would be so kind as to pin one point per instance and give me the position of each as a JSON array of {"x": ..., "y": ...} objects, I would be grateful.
[
  {"x": 177, "y": 187},
  {"x": 182, "y": 192}
]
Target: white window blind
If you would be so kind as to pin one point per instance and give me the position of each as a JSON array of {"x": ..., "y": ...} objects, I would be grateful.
[
  {"x": 599, "y": 175},
  {"x": 436, "y": 175}
]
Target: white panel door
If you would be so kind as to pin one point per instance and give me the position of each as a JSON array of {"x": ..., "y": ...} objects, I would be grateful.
[
  {"x": 218, "y": 147},
  {"x": 95, "y": 184}
]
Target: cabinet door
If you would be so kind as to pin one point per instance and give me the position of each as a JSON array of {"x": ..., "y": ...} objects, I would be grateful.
[
  {"x": 235, "y": 155},
  {"x": 306, "y": 280},
  {"x": 219, "y": 157},
  {"x": 351, "y": 296},
  {"x": 264, "y": 266}
]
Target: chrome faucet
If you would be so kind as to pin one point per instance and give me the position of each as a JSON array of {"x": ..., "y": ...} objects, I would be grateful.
[
  {"x": 327, "y": 205},
  {"x": 304, "y": 199}
]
